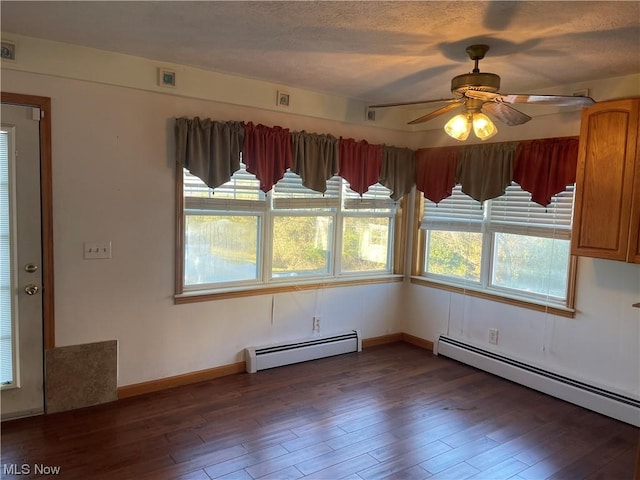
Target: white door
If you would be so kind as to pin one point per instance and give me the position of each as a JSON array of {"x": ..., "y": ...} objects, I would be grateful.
[{"x": 21, "y": 315}]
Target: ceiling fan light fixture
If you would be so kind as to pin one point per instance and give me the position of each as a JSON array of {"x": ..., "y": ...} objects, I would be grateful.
[
  {"x": 483, "y": 127},
  {"x": 459, "y": 127},
  {"x": 477, "y": 91}
]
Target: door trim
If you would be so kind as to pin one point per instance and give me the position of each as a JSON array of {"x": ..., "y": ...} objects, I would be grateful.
[{"x": 46, "y": 201}]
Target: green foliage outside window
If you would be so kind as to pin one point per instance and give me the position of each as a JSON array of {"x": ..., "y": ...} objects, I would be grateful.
[
  {"x": 365, "y": 243},
  {"x": 301, "y": 245},
  {"x": 456, "y": 254},
  {"x": 532, "y": 264}
]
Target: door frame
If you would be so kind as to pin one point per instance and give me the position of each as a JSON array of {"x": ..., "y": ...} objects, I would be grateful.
[{"x": 46, "y": 202}]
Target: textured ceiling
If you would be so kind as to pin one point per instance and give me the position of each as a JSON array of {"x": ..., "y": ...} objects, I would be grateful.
[{"x": 374, "y": 51}]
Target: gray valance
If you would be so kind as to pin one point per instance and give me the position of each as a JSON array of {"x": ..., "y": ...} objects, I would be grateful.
[
  {"x": 315, "y": 158},
  {"x": 398, "y": 172},
  {"x": 485, "y": 171},
  {"x": 209, "y": 150}
]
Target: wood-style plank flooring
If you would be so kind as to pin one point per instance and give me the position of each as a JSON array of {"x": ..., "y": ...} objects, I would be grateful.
[{"x": 392, "y": 411}]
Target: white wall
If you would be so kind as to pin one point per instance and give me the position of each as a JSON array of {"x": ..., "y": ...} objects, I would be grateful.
[
  {"x": 113, "y": 180},
  {"x": 600, "y": 346}
]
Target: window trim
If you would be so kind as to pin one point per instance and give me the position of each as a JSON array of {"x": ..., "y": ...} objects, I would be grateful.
[
  {"x": 182, "y": 295},
  {"x": 260, "y": 216},
  {"x": 479, "y": 291},
  {"x": 269, "y": 277},
  {"x": 276, "y": 287}
]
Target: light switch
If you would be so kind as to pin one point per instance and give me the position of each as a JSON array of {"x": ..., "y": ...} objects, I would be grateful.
[{"x": 97, "y": 250}]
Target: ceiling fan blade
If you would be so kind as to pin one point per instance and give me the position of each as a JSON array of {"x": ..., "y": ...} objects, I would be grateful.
[
  {"x": 436, "y": 113},
  {"x": 558, "y": 100},
  {"x": 506, "y": 113},
  {"x": 442, "y": 100}
]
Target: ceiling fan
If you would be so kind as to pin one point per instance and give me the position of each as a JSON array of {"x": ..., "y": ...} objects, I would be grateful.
[{"x": 477, "y": 92}]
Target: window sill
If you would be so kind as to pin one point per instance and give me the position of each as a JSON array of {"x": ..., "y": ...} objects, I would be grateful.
[
  {"x": 248, "y": 291},
  {"x": 502, "y": 298}
]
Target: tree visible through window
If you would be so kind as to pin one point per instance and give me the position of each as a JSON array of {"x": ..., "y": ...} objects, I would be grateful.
[
  {"x": 236, "y": 235},
  {"x": 508, "y": 245}
]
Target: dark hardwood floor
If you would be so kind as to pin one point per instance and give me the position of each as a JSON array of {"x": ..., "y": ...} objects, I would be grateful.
[{"x": 393, "y": 411}]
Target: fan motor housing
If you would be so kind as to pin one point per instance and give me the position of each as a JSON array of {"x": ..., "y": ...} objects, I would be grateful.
[{"x": 485, "y": 82}]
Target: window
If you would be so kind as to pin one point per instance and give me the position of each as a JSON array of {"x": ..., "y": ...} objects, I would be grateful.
[
  {"x": 508, "y": 246},
  {"x": 303, "y": 225},
  {"x": 367, "y": 226},
  {"x": 222, "y": 231},
  {"x": 7, "y": 299},
  {"x": 236, "y": 237}
]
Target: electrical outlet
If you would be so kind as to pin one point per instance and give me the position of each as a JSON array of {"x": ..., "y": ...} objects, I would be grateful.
[
  {"x": 316, "y": 324},
  {"x": 493, "y": 336}
]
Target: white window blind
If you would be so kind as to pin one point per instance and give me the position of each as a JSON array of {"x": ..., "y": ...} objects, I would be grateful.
[
  {"x": 459, "y": 212},
  {"x": 241, "y": 192},
  {"x": 290, "y": 193},
  {"x": 514, "y": 212},
  {"x": 6, "y": 307},
  {"x": 376, "y": 198}
]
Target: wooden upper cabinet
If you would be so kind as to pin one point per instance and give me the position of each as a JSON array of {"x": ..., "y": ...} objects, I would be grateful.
[
  {"x": 606, "y": 222},
  {"x": 634, "y": 230}
]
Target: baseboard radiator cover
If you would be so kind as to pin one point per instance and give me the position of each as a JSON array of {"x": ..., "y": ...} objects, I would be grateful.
[
  {"x": 279, "y": 354},
  {"x": 611, "y": 404}
]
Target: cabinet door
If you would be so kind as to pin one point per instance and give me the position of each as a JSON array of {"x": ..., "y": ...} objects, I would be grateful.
[
  {"x": 634, "y": 231},
  {"x": 604, "y": 180}
]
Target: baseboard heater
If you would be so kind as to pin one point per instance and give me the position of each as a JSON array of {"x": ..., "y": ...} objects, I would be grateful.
[
  {"x": 620, "y": 407},
  {"x": 277, "y": 355}
]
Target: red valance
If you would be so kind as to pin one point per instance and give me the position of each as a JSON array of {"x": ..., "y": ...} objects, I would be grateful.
[
  {"x": 360, "y": 163},
  {"x": 436, "y": 172},
  {"x": 545, "y": 167},
  {"x": 266, "y": 153},
  {"x": 542, "y": 167}
]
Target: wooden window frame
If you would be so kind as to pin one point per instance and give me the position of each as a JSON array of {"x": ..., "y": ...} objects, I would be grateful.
[
  {"x": 182, "y": 296},
  {"x": 417, "y": 277}
]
